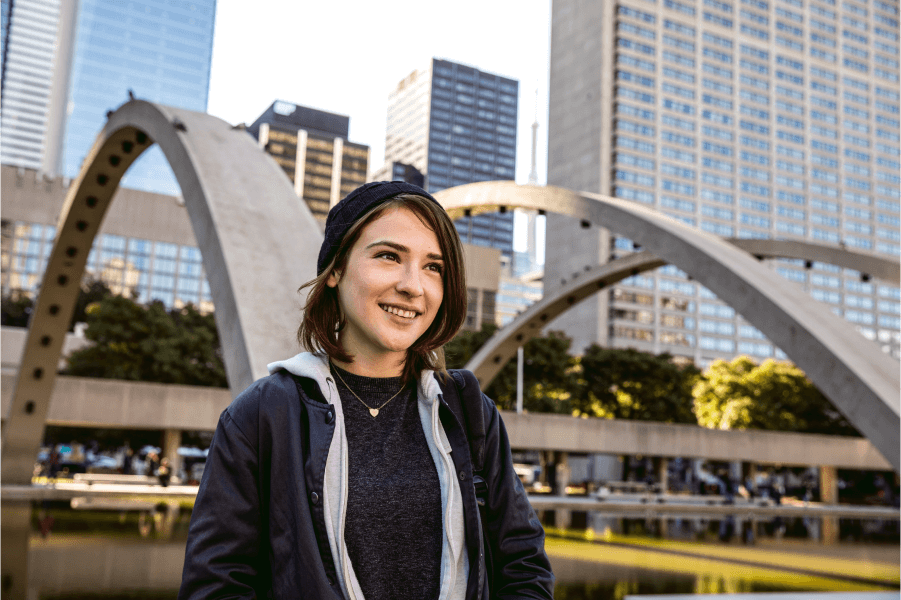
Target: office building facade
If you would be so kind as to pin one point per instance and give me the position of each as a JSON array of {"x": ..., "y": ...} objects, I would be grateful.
[
  {"x": 158, "y": 51},
  {"x": 398, "y": 171},
  {"x": 311, "y": 146},
  {"x": 140, "y": 253},
  {"x": 29, "y": 34},
  {"x": 457, "y": 125},
  {"x": 150, "y": 254},
  {"x": 758, "y": 119}
]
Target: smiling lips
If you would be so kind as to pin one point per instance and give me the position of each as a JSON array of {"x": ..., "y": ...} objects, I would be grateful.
[{"x": 405, "y": 314}]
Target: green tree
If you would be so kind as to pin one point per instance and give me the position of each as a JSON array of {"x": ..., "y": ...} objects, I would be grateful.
[
  {"x": 16, "y": 309},
  {"x": 91, "y": 291},
  {"x": 547, "y": 370},
  {"x": 465, "y": 344},
  {"x": 778, "y": 396},
  {"x": 148, "y": 343},
  {"x": 18, "y": 305},
  {"x": 628, "y": 384}
]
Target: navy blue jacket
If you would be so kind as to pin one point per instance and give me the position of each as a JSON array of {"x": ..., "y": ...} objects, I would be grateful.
[{"x": 258, "y": 526}]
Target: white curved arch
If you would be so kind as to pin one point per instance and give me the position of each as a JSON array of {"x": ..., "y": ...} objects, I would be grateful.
[
  {"x": 860, "y": 380},
  {"x": 258, "y": 241},
  {"x": 498, "y": 350},
  {"x": 869, "y": 265},
  {"x": 502, "y": 346}
]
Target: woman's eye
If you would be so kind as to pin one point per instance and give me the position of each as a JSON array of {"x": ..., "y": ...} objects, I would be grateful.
[
  {"x": 388, "y": 255},
  {"x": 436, "y": 267}
]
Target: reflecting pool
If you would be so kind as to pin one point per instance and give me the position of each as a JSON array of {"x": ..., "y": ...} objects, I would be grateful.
[{"x": 93, "y": 555}]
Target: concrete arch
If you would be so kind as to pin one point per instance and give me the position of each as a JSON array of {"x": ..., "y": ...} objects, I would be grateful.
[
  {"x": 860, "y": 380},
  {"x": 252, "y": 231},
  {"x": 869, "y": 265},
  {"x": 492, "y": 357},
  {"x": 497, "y": 351}
]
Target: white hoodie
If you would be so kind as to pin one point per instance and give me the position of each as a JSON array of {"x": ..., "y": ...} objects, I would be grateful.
[{"x": 454, "y": 561}]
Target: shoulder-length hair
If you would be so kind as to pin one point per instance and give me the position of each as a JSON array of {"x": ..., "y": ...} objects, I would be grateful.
[{"x": 322, "y": 319}]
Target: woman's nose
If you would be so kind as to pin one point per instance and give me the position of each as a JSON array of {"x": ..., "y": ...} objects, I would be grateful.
[{"x": 410, "y": 282}]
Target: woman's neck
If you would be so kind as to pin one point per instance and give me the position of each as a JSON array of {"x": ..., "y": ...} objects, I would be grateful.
[{"x": 367, "y": 367}]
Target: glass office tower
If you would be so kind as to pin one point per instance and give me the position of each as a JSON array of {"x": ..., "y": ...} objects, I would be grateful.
[
  {"x": 154, "y": 259},
  {"x": 457, "y": 125},
  {"x": 28, "y": 32},
  {"x": 159, "y": 50},
  {"x": 756, "y": 119}
]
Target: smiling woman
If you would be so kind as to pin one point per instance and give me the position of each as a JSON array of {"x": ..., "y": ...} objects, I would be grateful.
[
  {"x": 400, "y": 255},
  {"x": 348, "y": 471},
  {"x": 390, "y": 293}
]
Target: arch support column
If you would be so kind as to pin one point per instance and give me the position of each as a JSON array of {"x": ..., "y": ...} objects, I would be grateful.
[{"x": 259, "y": 243}]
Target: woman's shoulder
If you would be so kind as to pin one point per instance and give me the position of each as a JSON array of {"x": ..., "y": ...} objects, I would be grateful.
[{"x": 264, "y": 394}]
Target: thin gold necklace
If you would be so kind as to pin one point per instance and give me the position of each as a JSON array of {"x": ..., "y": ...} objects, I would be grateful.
[{"x": 372, "y": 411}]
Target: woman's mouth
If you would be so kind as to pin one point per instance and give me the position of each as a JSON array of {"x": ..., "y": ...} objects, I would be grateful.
[{"x": 404, "y": 314}]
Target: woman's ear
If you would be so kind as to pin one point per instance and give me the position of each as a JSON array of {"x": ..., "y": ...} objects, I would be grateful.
[{"x": 333, "y": 279}]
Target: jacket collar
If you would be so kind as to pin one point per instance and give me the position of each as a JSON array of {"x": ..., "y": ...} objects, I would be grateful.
[
  {"x": 310, "y": 365},
  {"x": 316, "y": 366}
]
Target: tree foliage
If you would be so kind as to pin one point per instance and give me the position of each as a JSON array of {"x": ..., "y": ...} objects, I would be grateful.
[
  {"x": 17, "y": 306},
  {"x": 778, "y": 396},
  {"x": 149, "y": 343},
  {"x": 547, "y": 370},
  {"x": 617, "y": 383},
  {"x": 16, "y": 309},
  {"x": 92, "y": 290}
]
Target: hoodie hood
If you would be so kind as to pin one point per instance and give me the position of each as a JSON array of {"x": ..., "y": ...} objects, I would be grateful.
[
  {"x": 316, "y": 366},
  {"x": 306, "y": 364}
]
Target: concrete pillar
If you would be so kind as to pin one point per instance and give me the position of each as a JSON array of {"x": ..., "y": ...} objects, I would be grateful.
[
  {"x": 829, "y": 495},
  {"x": 300, "y": 162},
  {"x": 663, "y": 481},
  {"x": 562, "y": 518},
  {"x": 663, "y": 474},
  {"x": 337, "y": 166},
  {"x": 15, "y": 526},
  {"x": 171, "y": 442}
]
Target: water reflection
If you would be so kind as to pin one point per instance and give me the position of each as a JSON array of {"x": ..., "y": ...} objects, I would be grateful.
[
  {"x": 616, "y": 566},
  {"x": 583, "y": 580},
  {"x": 90, "y": 554}
]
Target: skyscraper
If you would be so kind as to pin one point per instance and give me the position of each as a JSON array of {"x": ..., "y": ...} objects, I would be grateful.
[
  {"x": 312, "y": 148},
  {"x": 158, "y": 50},
  {"x": 32, "y": 44},
  {"x": 759, "y": 118},
  {"x": 457, "y": 125}
]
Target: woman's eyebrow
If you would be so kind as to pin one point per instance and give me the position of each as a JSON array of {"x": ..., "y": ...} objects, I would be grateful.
[{"x": 402, "y": 248}]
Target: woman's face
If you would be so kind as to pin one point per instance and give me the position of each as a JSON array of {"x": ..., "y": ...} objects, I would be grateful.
[{"x": 391, "y": 288}]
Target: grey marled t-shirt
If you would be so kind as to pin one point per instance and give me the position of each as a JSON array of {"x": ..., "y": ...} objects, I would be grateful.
[{"x": 393, "y": 527}]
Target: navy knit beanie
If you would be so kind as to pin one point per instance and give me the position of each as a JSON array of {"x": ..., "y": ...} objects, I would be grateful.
[{"x": 356, "y": 204}]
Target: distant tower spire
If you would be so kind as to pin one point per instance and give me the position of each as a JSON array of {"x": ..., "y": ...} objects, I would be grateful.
[
  {"x": 533, "y": 174},
  {"x": 531, "y": 225}
]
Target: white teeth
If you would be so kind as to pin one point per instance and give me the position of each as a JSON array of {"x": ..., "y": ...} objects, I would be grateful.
[{"x": 406, "y": 314}]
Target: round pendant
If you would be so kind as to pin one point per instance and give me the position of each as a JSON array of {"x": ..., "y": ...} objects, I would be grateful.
[{"x": 374, "y": 412}]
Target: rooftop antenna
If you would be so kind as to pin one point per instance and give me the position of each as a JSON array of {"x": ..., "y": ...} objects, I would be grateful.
[{"x": 532, "y": 216}]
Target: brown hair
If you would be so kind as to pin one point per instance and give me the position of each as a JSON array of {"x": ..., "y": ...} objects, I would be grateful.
[{"x": 322, "y": 320}]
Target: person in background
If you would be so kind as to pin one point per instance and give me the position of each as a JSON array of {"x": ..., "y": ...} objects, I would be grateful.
[{"x": 164, "y": 472}]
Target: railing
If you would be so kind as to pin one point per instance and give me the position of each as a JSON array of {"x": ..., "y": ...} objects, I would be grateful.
[
  {"x": 646, "y": 505},
  {"x": 641, "y": 505}
]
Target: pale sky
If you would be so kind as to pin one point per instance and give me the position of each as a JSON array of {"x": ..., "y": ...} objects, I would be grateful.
[{"x": 346, "y": 57}]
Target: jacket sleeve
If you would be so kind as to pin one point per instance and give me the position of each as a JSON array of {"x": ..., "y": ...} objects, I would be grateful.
[
  {"x": 225, "y": 538},
  {"x": 520, "y": 566}
]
